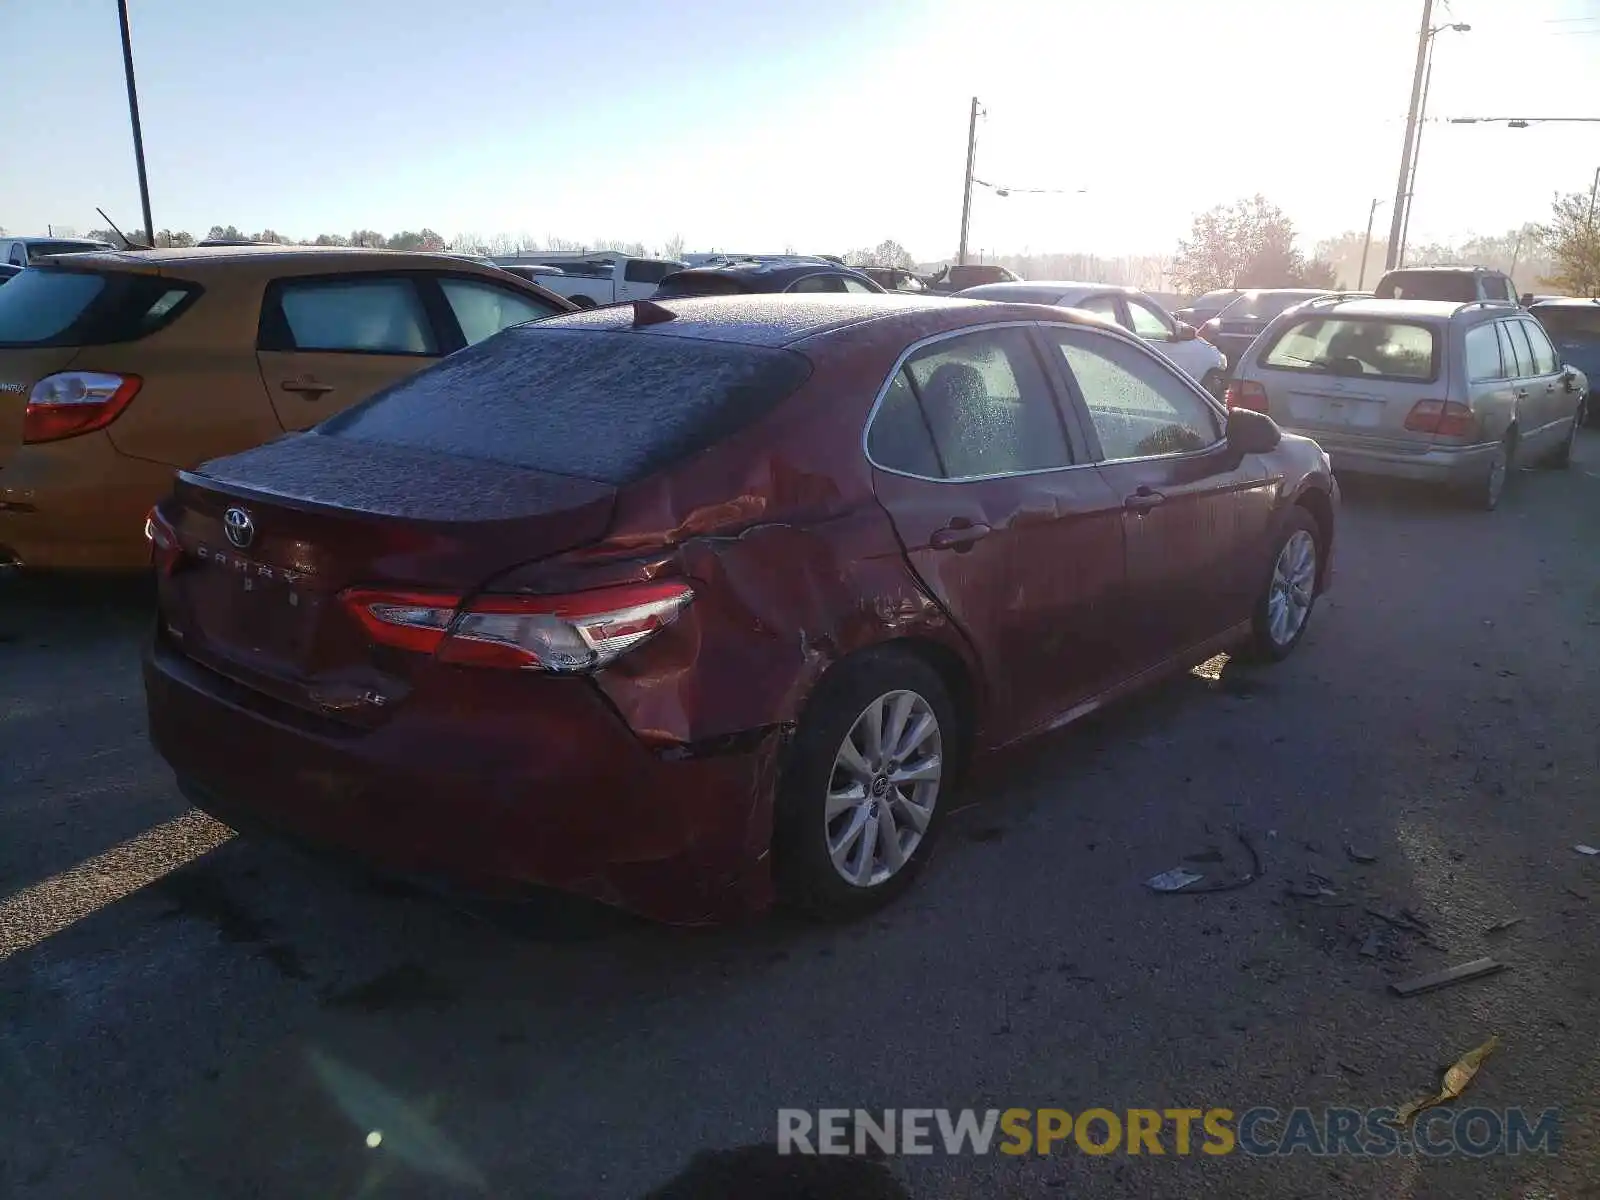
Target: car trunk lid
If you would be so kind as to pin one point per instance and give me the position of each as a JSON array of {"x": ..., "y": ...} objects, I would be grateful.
[
  {"x": 271, "y": 537},
  {"x": 1353, "y": 407}
]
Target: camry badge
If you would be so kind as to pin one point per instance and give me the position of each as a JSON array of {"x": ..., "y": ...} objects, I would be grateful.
[{"x": 241, "y": 530}]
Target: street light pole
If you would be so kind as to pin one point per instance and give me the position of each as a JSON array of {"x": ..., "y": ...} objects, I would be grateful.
[
  {"x": 1416, "y": 149},
  {"x": 966, "y": 193},
  {"x": 1411, "y": 132},
  {"x": 133, "y": 113}
]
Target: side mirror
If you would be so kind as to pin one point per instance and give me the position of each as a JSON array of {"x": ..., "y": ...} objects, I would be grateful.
[
  {"x": 1527, "y": 300},
  {"x": 1186, "y": 332},
  {"x": 1251, "y": 432},
  {"x": 1569, "y": 379}
]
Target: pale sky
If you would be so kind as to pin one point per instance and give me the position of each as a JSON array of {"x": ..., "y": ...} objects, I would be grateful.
[{"x": 822, "y": 126}]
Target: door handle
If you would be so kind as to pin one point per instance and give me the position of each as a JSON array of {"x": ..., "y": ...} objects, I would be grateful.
[
  {"x": 1144, "y": 499},
  {"x": 1521, "y": 393},
  {"x": 306, "y": 387},
  {"x": 959, "y": 538}
]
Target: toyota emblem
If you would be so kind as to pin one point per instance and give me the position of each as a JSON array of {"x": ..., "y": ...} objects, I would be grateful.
[{"x": 241, "y": 530}]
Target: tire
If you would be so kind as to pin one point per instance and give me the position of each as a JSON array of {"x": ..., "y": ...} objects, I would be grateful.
[
  {"x": 879, "y": 685},
  {"x": 1289, "y": 594},
  {"x": 1486, "y": 492},
  {"x": 1562, "y": 458},
  {"x": 1215, "y": 383}
]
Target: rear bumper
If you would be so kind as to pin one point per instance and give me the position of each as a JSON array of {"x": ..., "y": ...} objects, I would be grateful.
[
  {"x": 1438, "y": 464},
  {"x": 556, "y": 793},
  {"x": 78, "y": 505}
]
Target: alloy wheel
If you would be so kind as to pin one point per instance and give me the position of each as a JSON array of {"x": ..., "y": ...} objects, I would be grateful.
[
  {"x": 883, "y": 788},
  {"x": 1294, "y": 580}
]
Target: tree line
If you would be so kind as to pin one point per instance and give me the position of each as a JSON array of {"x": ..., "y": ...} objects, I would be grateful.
[{"x": 1251, "y": 244}]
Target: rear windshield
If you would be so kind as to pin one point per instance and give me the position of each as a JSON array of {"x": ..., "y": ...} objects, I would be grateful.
[
  {"x": 1570, "y": 322},
  {"x": 686, "y": 283},
  {"x": 48, "y": 307},
  {"x": 1351, "y": 346},
  {"x": 1428, "y": 285},
  {"x": 1263, "y": 306},
  {"x": 39, "y": 249},
  {"x": 608, "y": 406}
]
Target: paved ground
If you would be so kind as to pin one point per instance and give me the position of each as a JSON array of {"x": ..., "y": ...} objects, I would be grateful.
[{"x": 239, "y": 1026}]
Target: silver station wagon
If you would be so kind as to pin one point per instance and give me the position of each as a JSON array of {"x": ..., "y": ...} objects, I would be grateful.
[{"x": 1448, "y": 393}]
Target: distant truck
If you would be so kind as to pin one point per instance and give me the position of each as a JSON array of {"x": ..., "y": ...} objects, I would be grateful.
[{"x": 593, "y": 278}]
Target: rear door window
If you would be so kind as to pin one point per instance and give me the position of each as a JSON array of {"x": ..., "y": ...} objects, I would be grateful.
[
  {"x": 1544, "y": 354},
  {"x": 606, "y": 406},
  {"x": 644, "y": 270},
  {"x": 1102, "y": 306},
  {"x": 1521, "y": 350},
  {"x": 368, "y": 315},
  {"x": 483, "y": 310},
  {"x": 855, "y": 285},
  {"x": 1483, "y": 355},
  {"x": 900, "y": 439},
  {"x": 989, "y": 405}
]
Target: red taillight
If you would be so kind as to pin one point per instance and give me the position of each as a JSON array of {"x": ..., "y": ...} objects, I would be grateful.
[
  {"x": 567, "y": 633},
  {"x": 1246, "y": 393},
  {"x": 166, "y": 552},
  {"x": 73, "y": 402},
  {"x": 1444, "y": 418}
]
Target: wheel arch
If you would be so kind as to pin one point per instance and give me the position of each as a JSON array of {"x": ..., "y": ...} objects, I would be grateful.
[{"x": 1320, "y": 505}]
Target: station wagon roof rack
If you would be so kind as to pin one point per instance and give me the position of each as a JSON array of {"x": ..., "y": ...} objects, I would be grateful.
[{"x": 1485, "y": 304}]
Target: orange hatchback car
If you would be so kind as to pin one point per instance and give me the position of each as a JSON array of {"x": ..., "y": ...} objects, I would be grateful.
[{"x": 119, "y": 368}]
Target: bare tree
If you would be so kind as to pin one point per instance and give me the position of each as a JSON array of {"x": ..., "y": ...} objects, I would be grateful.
[{"x": 673, "y": 248}]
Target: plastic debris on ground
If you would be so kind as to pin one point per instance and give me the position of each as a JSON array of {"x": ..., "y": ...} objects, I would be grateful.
[
  {"x": 1181, "y": 880},
  {"x": 1503, "y": 925},
  {"x": 1582, "y": 849},
  {"x": 1478, "y": 968},
  {"x": 1456, "y": 1080}
]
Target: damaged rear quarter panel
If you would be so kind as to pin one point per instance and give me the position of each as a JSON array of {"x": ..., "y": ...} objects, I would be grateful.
[{"x": 795, "y": 563}]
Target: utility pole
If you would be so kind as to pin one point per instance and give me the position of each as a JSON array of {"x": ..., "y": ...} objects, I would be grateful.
[
  {"x": 1592, "y": 190},
  {"x": 1398, "y": 216},
  {"x": 1367, "y": 245},
  {"x": 1416, "y": 155},
  {"x": 133, "y": 114},
  {"x": 966, "y": 194}
]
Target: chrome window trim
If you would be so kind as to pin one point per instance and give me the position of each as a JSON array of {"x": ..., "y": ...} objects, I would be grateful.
[{"x": 899, "y": 365}]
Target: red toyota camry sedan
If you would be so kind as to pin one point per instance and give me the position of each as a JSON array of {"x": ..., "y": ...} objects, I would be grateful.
[{"x": 685, "y": 605}]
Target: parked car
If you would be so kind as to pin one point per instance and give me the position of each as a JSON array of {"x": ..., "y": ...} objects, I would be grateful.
[
  {"x": 118, "y": 368},
  {"x": 1458, "y": 284},
  {"x": 596, "y": 277},
  {"x": 1131, "y": 309},
  {"x": 896, "y": 279},
  {"x": 957, "y": 277},
  {"x": 1574, "y": 326},
  {"x": 826, "y": 549},
  {"x": 765, "y": 275},
  {"x": 21, "y": 251},
  {"x": 1208, "y": 306},
  {"x": 533, "y": 274},
  {"x": 1235, "y": 327},
  {"x": 1450, "y": 393}
]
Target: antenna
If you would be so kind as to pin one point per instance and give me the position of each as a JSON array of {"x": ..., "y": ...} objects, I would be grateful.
[
  {"x": 125, "y": 241},
  {"x": 648, "y": 312}
]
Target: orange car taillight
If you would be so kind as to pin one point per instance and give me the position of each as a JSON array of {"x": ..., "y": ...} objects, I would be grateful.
[
  {"x": 1246, "y": 394},
  {"x": 73, "y": 402},
  {"x": 569, "y": 633},
  {"x": 1445, "y": 418}
]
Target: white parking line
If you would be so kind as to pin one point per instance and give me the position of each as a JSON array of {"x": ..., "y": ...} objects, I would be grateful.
[{"x": 44, "y": 909}]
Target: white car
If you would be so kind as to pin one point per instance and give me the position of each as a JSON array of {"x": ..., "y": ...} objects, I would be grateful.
[
  {"x": 1129, "y": 308},
  {"x": 20, "y": 251},
  {"x": 593, "y": 278}
]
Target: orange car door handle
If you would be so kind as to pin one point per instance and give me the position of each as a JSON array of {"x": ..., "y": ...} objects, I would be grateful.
[
  {"x": 958, "y": 537},
  {"x": 1144, "y": 500},
  {"x": 306, "y": 387}
]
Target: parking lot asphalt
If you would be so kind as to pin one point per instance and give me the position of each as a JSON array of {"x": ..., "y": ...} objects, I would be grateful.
[{"x": 249, "y": 1023}]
